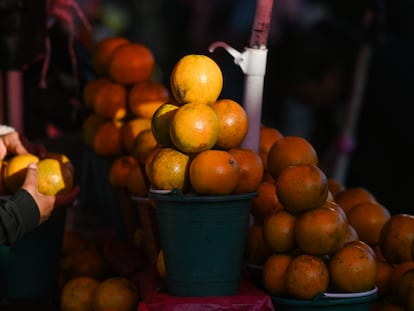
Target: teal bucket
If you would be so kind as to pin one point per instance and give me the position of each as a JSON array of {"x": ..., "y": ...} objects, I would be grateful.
[
  {"x": 29, "y": 269},
  {"x": 203, "y": 240}
]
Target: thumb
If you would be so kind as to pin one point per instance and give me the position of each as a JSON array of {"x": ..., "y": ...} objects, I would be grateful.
[{"x": 31, "y": 175}]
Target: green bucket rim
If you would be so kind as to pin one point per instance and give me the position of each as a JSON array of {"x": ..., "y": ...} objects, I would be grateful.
[{"x": 176, "y": 195}]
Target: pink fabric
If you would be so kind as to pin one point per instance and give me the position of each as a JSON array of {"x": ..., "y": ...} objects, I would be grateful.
[{"x": 249, "y": 298}]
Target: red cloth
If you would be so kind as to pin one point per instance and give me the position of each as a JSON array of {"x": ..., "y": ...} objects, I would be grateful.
[{"x": 249, "y": 298}]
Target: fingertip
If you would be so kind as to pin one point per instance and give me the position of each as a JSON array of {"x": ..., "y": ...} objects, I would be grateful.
[{"x": 32, "y": 165}]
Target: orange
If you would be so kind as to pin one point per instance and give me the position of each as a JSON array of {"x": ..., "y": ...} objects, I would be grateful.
[
  {"x": 87, "y": 261},
  {"x": 89, "y": 127},
  {"x": 351, "y": 235},
  {"x": 148, "y": 160},
  {"x": 368, "y": 218},
  {"x": 90, "y": 89},
  {"x": 335, "y": 186},
  {"x": 362, "y": 244},
  {"x": 405, "y": 282},
  {"x": 214, "y": 172},
  {"x": 233, "y": 123},
  {"x": 102, "y": 52},
  {"x": 15, "y": 170},
  {"x": 131, "y": 63},
  {"x": 397, "y": 273},
  {"x": 145, "y": 97},
  {"x": 396, "y": 237},
  {"x": 268, "y": 177},
  {"x": 256, "y": 250},
  {"x": 251, "y": 170},
  {"x": 196, "y": 78},
  {"x": 107, "y": 139},
  {"x": 267, "y": 137},
  {"x": 53, "y": 177},
  {"x": 130, "y": 130},
  {"x": 306, "y": 276},
  {"x": 409, "y": 297},
  {"x": 301, "y": 187},
  {"x": 279, "y": 231},
  {"x": 290, "y": 150},
  {"x": 116, "y": 293},
  {"x": 266, "y": 201},
  {"x": 160, "y": 123},
  {"x": 169, "y": 169},
  {"x": 78, "y": 293},
  {"x": 62, "y": 158},
  {"x": 378, "y": 254},
  {"x": 353, "y": 269},
  {"x": 119, "y": 170},
  {"x": 336, "y": 207},
  {"x": 321, "y": 231},
  {"x": 352, "y": 196},
  {"x": 194, "y": 128},
  {"x": 160, "y": 264},
  {"x": 384, "y": 272},
  {"x": 110, "y": 101},
  {"x": 136, "y": 182},
  {"x": 274, "y": 274},
  {"x": 73, "y": 240},
  {"x": 143, "y": 144}
]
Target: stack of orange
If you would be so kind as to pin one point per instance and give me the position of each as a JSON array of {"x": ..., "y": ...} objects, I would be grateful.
[
  {"x": 303, "y": 238},
  {"x": 122, "y": 97},
  {"x": 199, "y": 135}
]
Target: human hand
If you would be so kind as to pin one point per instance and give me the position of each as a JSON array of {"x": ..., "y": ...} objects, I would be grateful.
[
  {"x": 45, "y": 203},
  {"x": 15, "y": 143}
]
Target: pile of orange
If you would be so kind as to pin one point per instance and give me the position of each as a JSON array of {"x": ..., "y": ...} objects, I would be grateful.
[
  {"x": 312, "y": 234},
  {"x": 199, "y": 136},
  {"x": 122, "y": 96},
  {"x": 86, "y": 280}
]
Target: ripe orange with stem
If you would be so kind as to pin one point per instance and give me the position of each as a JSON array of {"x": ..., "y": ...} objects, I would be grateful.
[
  {"x": 196, "y": 78},
  {"x": 194, "y": 128},
  {"x": 214, "y": 172}
]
